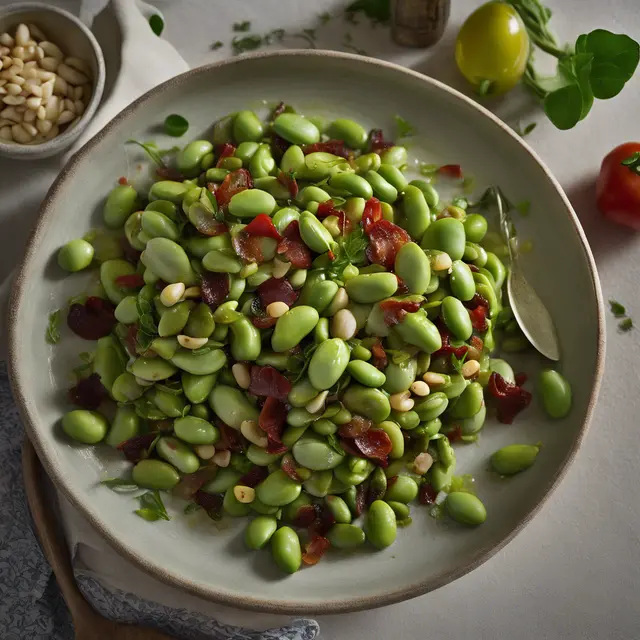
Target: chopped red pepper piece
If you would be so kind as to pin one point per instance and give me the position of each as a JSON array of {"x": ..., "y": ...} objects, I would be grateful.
[
  {"x": 275, "y": 448},
  {"x": 377, "y": 142},
  {"x": 210, "y": 502},
  {"x": 272, "y": 419},
  {"x": 289, "y": 467},
  {"x": 374, "y": 444},
  {"x": 214, "y": 288},
  {"x": 229, "y": 438},
  {"x": 521, "y": 378},
  {"x": 455, "y": 433},
  {"x": 293, "y": 249},
  {"x": 263, "y": 322},
  {"x": 372, "y": 214},
  {"x": 396, "y": 310},
  {"x": 88, "y": 393},
  {"x": 479, "y": 318},
  {"x": 269, "y": 382},
  {"x": 130, "y": 281},
  {"x": 450, "y": 170},
  {"x": 225, "y": 150},
  {"x": 327, "y": 208},
  {"x": 510, "y": 398},
  {"x": 385, "y": 240},
  {"x": 336, "y": 147},
  {"x": 135, "y": 449},
  {"x": 233, "y": 183},
  {"x": 262, "y": 225},
  {"x": 379, "y": 355},
  {"x": 355, "y": 427},
  {"x": 254, "y": 476},
  {"x": 446, "y": 347},
  {"x": 92, "y": 320},
  {"x": 123, "y": 181},
  {"x": 277, "y": 290},
  {"x": 314, "y": 550},
  {"x": 191, "y": 483},
  {"x": 289, "y": 181},
  {"x": 307, "y": 513},
  {"x": 427, "y": 494}
]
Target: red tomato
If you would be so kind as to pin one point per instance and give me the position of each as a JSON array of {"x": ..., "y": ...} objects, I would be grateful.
[{"x": 618, "y": 187}]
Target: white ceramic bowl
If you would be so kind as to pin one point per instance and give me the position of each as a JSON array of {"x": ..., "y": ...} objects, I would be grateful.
[
  {"x": 73, "y": 37},
  {"x": 213, "y": 563}
]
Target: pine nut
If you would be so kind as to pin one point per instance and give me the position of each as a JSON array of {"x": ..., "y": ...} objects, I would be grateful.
[
  {"x": 14, "y": 100},
  {"x": 420, "y": 388},
  {"x": 77, "y": 93},
  {"x": 7, "y": 41},
  {"x": 52, "y": 108},
  {"x": 344, "y": 325},
  {"x": 205, "y": 451},
  {"x": 29, "y": 72},
  {"x": 332, "y": 225},
  {"x": 13, "y": 89},
  {"x": 191, "y": 292},
  {"x": 20, "y": 134},
  {"x": 18, "y": 63},
  {"x": 49, "y": 64},
  {"x": 43, "y": 126},
  {"x": 434, "y": 379},
  {"x": 222, "y": 458},
  {"x": 36, "y": 32},
  {"x": 45, "y": 75},
  {"x": 30, "y": 52},
  {"x": 41, "y": 114},
  {"x": 47, "y": 90},
  {"x": 68, "y": 105},
  {"x": 280, "y": 268},
  {"x": 254, "y": 434},
  {"x": 60, "y": 86},
  {"x": 52, "y": 50},
  {"x": 78, "y": 65},
  {"x": 7, "y": 62},
  {"x": 317, "y": 404},
  {"x": 340, "y": 300},
  {"x": 3, "y": 91},
  {"x": 10, "y": 113},
  {"x": 172, "y": 294},
  {"x": 4, "y": 51},
  {"x": 35, "y": 90},
  {"x": 29, "y": 128},
  {"x": 5, "y": 133},
  {"x": 242, "y": 374},
  {"x": 29, "y": 116},
  {"x": 441, "y": 262},
  {"x": 72, "y": 75},
  {"x": 470, "y": 368},
  {"x": 422, "y": 463},
  {"x": 39, "y": 53},
  {"x": 4, "y": 122},
  {"x": 68, "y": 116},
  {"x": 245, "y": 495},
  {"x": 401, "y": 401},
  {"x": 187, "y": 341},
  {"x": 277, "y": 309},
  {"x": 34, "y": 103},
  {"x": 78, "y": 105},
  {"x": 473, "y": 354},
  {"x": 22, "y": 35},
  {"x": 53, "y": 132},
  {"x": 18, "y": 52}
]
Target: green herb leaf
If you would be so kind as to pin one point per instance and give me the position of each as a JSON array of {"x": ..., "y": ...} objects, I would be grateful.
[
  {"x": 191, "y": 508},
  {"x": 524, "y": 207},
  {"x": 618, "y": 50},
  {"x": 404, "y": 127},
  {"x": 218, "y": 44},
  {"x": 147, "y": 328},
  {"x": 247, "y": 43},
  {"x": 242, "y": 26},
  {"x": 428, "y": 169},
  {"x": 156, "y": 23},
  {"x": 324, "y": 17},
  {"x": 151, "y": 507},
  {"x": 617, "y": 309},
  {"x": 457, "y": 363},
  {"x": 152, "y": 151},
  {"x": 351, "y": 250},
  {"x": 564, "y": 106},
  {"x": 175, "y": 125},
  {"x": 52, "y": 334},
  {"x": 632, "y": 162},
  {"x": 626, "y": 325},
  {"x": 334, "y": 443},
  {"x": 484, "y": 88},
  {"x": 376, "y": 10},
  {"x": 120, "y": 485}
]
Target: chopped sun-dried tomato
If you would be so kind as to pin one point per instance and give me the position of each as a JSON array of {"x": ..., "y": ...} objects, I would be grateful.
[
  {"x": 323, "y": 522},
  {"x": 327, "y": 208},
  {"x": 135, "y": 449},
  {"x": 289, "y": 181},
  {"x": 479, "y": 318},
  {"x": 169, "y": 173},
  {"x": 214, "y": 288},
  {"x": 92, "y": 320},
  {"x": 477, "y": 343},
  {"x": 379, "y": 355},
  {"x": 377, "y": 142},
  {"x": 372, "y": 214},
  {"x": 262, "y": 225},
  {"x": 361, "y": 499},
  {"x": 450, "y": 170},
  {"x": 123, "y": 181},
  {"x": 289, "y": 467},
  {"x": 225, "y": 150},
  {"x": 336, "y": 147},
  {"x": 129, "y": 253},
  {"x": 269, "y": 383},
  {"x": 272, "y": 418},
  {"x": 210, "y": 502},
  {"x": 455, "y": 434},
  {"x": 130, "y": 281},
  {"x": 248, "y": 247},
  {"x": 355, "y": 427},
  {"x": 385, "y": 240},
  {"x": 293, "y": 249},
  {"x": 191, "y": 483},
  {"x": 263, "y": 322},
  {"x": 511, "y": 399},
  {"x": 88, "y": 393},
  {"x": 229, "y": 438},
  {"x": 307, "y": 513},
  {"x": 374, "y": 444},
  {"x": 275, "y": 448},
  {"x": 396, "y": 310},
  {"x": 277, "y": 290},
  {"x": 376, "y": 492},
  {"x": 427, "y": 494},
  {"x": 279, "y": 109},
  {"x": 478, "y": 300},
  {"x": 521, "y": 378},
  {"x": 473, "y": 268},
  {"x": 278, "y": 147},
  {"x": 446, "y": 349},
  {"x": 402, "y": 287},
  {"x": 314, "y": 550},
  {"x": 254, "y": 476},
  {"x": 233, "y": 183}
]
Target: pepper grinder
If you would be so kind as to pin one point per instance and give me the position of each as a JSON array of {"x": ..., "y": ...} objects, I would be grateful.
[{"x": 419, "y": 23}]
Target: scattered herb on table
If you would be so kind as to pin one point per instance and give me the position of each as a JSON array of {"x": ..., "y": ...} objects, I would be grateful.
[
  {"x": 151, "y": 507},
  {"x": 53, "y": 327},
  {"x": 625, "y": 325},
  {"x": 617, "y": 309},
  {"x": 246, "y": 43},
  {"x": 324, "y": 18},
  {"x": 242, "y": 26},
  {"x": 523, "y": 207},
  {"x": 379, "y": 11},
  {"x": 309, "y": 35},
  {"x": 523, "y": 132},
  {"x": 175, "y": 125},
  {"x": 152, "y": 151},
  {"x": 218, "y": 44},
  {"x": 156, "y": 23}
]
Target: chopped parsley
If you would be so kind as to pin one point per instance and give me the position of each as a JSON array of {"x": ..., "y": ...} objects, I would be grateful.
[
  {"x": 52, "y": 334},
  {"x": 617, "y": 309},
  {"x": 242, "y": 26}
]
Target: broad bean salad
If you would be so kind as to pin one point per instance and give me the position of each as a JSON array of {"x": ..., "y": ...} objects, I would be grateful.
[{"x": 289, "y": 329}]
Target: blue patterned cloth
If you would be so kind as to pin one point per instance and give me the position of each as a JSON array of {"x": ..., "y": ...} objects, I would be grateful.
[{"x": 31, "y": 607}]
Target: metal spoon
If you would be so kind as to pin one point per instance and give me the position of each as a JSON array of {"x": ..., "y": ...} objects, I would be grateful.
[{"x": 529, "y": 310}]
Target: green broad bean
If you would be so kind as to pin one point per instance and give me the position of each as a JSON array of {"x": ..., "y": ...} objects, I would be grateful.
[
  {"x": 342, "y": 416},
  {"x": 514, "y": 458},
  {"x": 396, "y": 156},
  {"x": 454, "y": 386},
  {"x": 199, "y": 247},
  {"x": 285, "y": 544},
  {"x": 196, "y": 431},
  {"x": 177, "y": 454},
  {"x": 313, "y": 452},
  {"x": 291, "y": 435},
  {"x": 503, "y": 368},
  {"x": 170, "y": 404},
  {"x": 413, "y": 267},
  {"x": 368, "y": 162},
  {"x": 401, "y": 509},
  {"x": 259, "y": 531},
  {"x": 217, "y": 174},
  {"x": 110, "y": 271},
  {"x": 380, "y": 525},
  {"x": 431, "y": 427},
  {"x": 292, "y": 159},
  {"x": 321, "y": 331},
  {"x": 351, "y": 184},
  {"x": 165, "y": 347},
  {"x": 465, "y": 508},
  {"x": 174, "y": 319},
  {"x": 429, "y": 192},
  {"x": 109, "y": 361},
  {"x": 260, "y": 456},
  {"x": 403, "y": 490},
  {"x": 132, "y": 228},
  {"x": 222, "y": 261},
  {"x": 149, "y": 277},
  {"x": 394, "y": 177},
  {"x": 284, "y": 217},
  {"x": 292, "y": 327},
  {"x": 245, "y": 152},
  {"x": 120, "y": 204},
  {"x": 371, "y": 403},
  {"x": 434, "y": 282},
  {"x": 88, "y": 427},
  {"x": 157, "y": 225},
  {"x": 314, "y": 234},
  {"x": 125, "y": 425},
  {"x": 360, "y": 353},
  {"x": 200, "y": 323},
  {"x": 168, "y": 190},
  {"x": 371, "y": 287},
  {"x": 125, "y": 388},
  {"x": 302, "y": 392},
  {"x": 152, "y": 369},
  {"x": 245, "y": 340},
  {"x": 456, "y": 317},
  {"x": 400, "y": 376},
  {"x": 352, "y": 133},
  {"x": 273, "y": 186},
  {"x": 469, "y": 402},
  {"x": 233, "y": 506},
  {"x": 328, "y": 363},
  {"x": 497, "y": 269},
  {"x": 200, "y": 364},
  {"x": 165, "y": 207},
  {"x": 471, "y": 426},
  {"x": 201, "y": 411},
  {"x": 168, "y": 261},
  {"x": 366, "y": 373},
  {"x": 278, "y": 361},
  {"x": 418, "y": 330},
  {"x": 232, "y": 406},
  {"x": 441, "y": 476},
  {"x": 189, "y": 159},
  {"x": 262, "y": 162},
  {"x": 223, "y": 130},
  {"x": 220, "y": 332},
  {"x": 475, "y": 227},
  {"x": 514, "y": 344},
  {"x": 225, "y": 479},
  {"x": 446, "y": 454},
  {"x": 555, "y": 392},
  {"x": 345, "y": 475},
  {"x": 382, "y": 189},
  {"x": 231, "y": 163},
  {"x": 432, "y": 406},
  {"x": 296, "y": 129},
  {"x": 324, "y": 427},
  {"x": 461, "y": 281},
  {"x": 406, "y": 420},
  {"x": 415, "y": 216},
  {"x": 320, "y": 295},
  {"x": 278, "y": 489},
  {"x": 247, "y": 127},
  {"x": 300, "y": 417},
  {"x": 76, "y": 255},
  {"x": 251, "y": 202},
  {"x": 445, "y": 234},
  {"x": 395, "y": 435},
  {"x": 346, "y": 536},
  {"x": 155, "y": 474}
]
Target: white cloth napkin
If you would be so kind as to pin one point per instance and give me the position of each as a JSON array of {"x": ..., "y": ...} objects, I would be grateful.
[{"x": 136, "y": 60}]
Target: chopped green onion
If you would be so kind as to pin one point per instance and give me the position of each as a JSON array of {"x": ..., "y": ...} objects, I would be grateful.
[{"x": 175, "y": 125}]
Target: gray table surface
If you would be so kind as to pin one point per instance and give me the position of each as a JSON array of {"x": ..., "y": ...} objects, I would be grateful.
[{"x": 574, "y": 571}]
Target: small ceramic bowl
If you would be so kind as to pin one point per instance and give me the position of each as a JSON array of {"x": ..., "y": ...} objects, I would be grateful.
[{"x": 74, "y": 39}]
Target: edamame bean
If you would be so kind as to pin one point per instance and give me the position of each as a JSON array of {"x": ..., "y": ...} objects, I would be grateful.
[
  {"x": 225, "y": 479},
  {"x": 155, "y": 474},
  {"x": 76, "y": 255},
  {"x": 174, "y": 319},
  {"x": 272, "y": 185},
  {"x": 232, "y": 406},
  {"x": 314, "y": 234},
  {"x": 380, "y": 525},
  {"x": 400, "y": 376},
  {"x": 168, "y": 261},
  {"x": 353, "y": 134},
  {"x": 284, "y": 217},
  {"x": 120, "y": 204},
  {"x": 285, "y": 546},
  {"x": 125, "y": 388},
  {"x": 469, "y": 402},
  {"x": 406, "y": 420},
  {"x": 110, "y": 272},
  {"x": 429, "y": 192},
  {"x": 445, "y": 234},
  {"x": 514, "y": 458},
  {"x": 418, "y": 330},
  {"x": 292, "y": 159},
  {"x": 324, "y": 427},
  {"x": 199, "y": 364},
  {"x": 189, "y": 159},
  {"x": 475, "y": 227},
  {"x": 441, "y": 476},
  {"x": 127, "y": 310},
  {"x": 302, "y": 392},
  {"x": 152, "y": 369},
  {"x": 461, "y": 281},
  {"x": 125, "y": 425},
  {"x": 395, "y": 435},
  {"x": 168, "y": 190},
  {"x": 195, "y": 430},
  {"x": 371, "y": 287},
  {"x": 555, "y": 393},
  {"x": 245, "y": 340},
  {"x": 293, "y": 326},
  {"x": 456, "y": 317},
  {"x": 259, "y": 531},
  {"x": 394, "y": 177},
  {"x": 472, "y": 425},
  {"x": 178, "y": 454},
  {"x": 351, "y": 184},
  {"x": 465, "y": 508},
  {"x": 415, "y": 216},
  {"x": 250, "y": 203},
  {"x": 366, "y": 374},
  {"x": 396, "y": 156},
  {"x": 346, "y": 536},
  {"x": 200, "y": 323},
  {"x": 157, "y": 225},
  {"x": 300, "y": 417},
  {"x": 278, "y": 489},
  {"x": 497, "y": 269},
  {"x": 88, "y": 427},
  {"x": 371, "y": 403},
  {"x": 313, "y": 452},
  {"x": 321, "y": 331},
  {"x": 296, "y": 129},
  {"x": 503, "y": 368},
  {"x": 432, "y": 406},
  {"x": 382, "y": 189},
  {"x": 170, "y": 404},
  {"x": 413, "y": 267},
  {"x": 199, "y": 247},
  {"x": 328, "y": 363},
  {"x": 247, "y": 127},
  {"x": 403, "y": 490}
]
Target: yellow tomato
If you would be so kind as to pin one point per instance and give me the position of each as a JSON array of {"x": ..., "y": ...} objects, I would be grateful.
[{"x": 493, "y": 47}]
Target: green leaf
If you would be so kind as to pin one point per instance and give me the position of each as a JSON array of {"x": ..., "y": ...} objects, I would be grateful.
[
  {"x": 524, "y": 207},
  {"x": 120, "y": 485},
  {"x": 617, "y": 309},
  {"x": 242, "y": 26},
  {"x": 625, "y": 325},
  {"x": 564, "y": 106},
  {"x": 152, "y": 151},
  {"x": 156, "y": 23},
  {"x": 582, "y": 70},
  {"x": 607, "y": 80},
  {"x": 457, "y": 363},
  {"x": 151, "y": 507},
  {"x": 175, "y": 125},
  {"x": 376, "y": 10},
  {"x": 334, "y": 443},
  {"x": 52, "y": 334},
  {"x": 191, "y": 508},
  {"x": 484, "y": 88},
  {"x": 247, "y": 43},
  {"x": 404, "y": 127},
  {"x": 581, "y": 44},
  {"x": 619, "y": 50},
  {"x": 218, "y": 44}
]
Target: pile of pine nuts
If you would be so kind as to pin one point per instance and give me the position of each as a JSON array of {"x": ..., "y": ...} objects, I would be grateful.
[{"x": 42, "y": 91}]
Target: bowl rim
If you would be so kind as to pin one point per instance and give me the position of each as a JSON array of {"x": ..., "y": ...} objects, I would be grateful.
[
  {"x": 25, "y": 151},
  {"x": 20, "y": 385}
]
